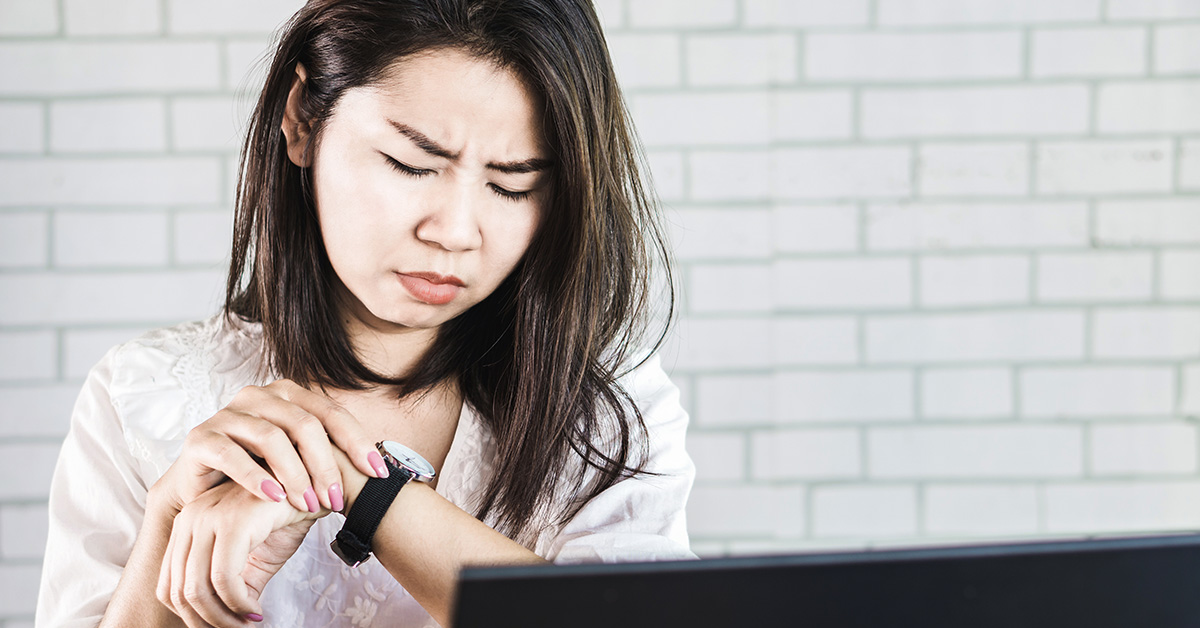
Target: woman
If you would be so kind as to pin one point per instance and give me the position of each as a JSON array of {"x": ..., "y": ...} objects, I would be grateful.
[{"x": 441, "y": 241}]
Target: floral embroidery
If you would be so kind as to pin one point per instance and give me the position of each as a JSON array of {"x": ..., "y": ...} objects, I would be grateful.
[{"x": 363, "y": 612}]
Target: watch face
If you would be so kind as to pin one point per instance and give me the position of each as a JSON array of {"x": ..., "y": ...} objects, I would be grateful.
[{"x": 410, "y": 459}]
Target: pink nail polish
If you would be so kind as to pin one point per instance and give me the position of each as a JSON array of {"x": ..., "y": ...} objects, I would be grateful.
[
  {"x": 273, "y": 490},
  {"x": 376, "y": 462},
  {"x": 254, "y": 617},
  {"x": 336, "y": 500},
  {"x": 310, "y": 500}
]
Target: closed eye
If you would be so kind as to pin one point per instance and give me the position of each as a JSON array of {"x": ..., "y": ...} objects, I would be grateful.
[
  {"x": 406, "y": 169},
  {"x": 509, "y": 194}
]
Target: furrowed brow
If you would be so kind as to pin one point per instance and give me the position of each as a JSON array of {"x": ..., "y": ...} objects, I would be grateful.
[
  {"x": 423, "y": 142},
  {"x": 522, "y": 167}
]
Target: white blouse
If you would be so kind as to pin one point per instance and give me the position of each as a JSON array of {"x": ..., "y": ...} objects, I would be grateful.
[{"x": 144, "y": 396}]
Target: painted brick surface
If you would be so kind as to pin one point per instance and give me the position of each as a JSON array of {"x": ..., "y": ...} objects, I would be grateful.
[{"x": 940, "y": 259}]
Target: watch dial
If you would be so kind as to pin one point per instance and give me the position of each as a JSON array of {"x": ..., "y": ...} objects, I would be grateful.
[{"x": 409, "y": 458}]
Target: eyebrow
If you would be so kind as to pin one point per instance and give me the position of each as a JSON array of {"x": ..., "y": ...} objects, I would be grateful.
[{"x": 524, "y": 166}]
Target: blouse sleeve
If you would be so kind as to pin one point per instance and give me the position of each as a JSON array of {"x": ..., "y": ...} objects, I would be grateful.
[
  {"x": 639, "y": 518},
  {"x": 97, "y": 501}
]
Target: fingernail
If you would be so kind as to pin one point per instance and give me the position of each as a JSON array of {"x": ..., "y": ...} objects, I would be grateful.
[
  {"x": 273, "y": 490},
  {"x": 376, "y": 461},
  {"x": 336, "y": 500},
  {"x": 254, "y": 617},
  {"x": 310, "y": 500}
]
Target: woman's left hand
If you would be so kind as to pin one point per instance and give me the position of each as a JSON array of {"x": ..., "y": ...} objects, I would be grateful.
[{"x": 225, "y": 546}]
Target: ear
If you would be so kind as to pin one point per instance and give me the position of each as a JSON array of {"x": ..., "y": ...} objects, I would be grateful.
[{"x": 295, "y": 128}]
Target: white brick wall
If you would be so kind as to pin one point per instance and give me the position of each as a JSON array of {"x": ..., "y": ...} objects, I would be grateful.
[{"x": 940, "y": 258}]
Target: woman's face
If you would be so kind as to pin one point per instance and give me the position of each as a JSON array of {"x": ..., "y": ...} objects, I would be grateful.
[{"x": 429, "y": 188}]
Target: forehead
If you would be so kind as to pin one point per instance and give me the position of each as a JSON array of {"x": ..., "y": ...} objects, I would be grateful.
[{"x": 455, "y": 98}]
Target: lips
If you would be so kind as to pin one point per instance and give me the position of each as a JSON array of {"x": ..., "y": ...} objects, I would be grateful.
[{"x": 431, "y": 288}]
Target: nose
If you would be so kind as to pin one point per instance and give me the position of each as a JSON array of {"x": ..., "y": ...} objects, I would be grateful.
[{"x": 451, "y": 221}]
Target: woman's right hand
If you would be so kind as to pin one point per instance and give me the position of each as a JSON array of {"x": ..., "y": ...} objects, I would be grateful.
[{"x": 292, "y": 430}]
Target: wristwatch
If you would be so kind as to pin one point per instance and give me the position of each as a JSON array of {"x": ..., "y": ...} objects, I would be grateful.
[{"x": 353, "y": 542}]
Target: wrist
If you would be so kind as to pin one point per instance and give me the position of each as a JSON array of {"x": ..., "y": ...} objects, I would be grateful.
[{"x": 353, "y": 480}]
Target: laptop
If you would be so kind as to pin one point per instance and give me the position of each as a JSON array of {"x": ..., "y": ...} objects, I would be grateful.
[{"x": 1151, "y": 581}]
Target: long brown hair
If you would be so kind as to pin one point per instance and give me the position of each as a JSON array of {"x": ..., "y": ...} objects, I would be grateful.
[{"x": 539, "y": 358}]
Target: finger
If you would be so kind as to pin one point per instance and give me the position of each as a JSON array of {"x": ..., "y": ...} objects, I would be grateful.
[
  {"x": 163, "y": 590},
  {"x": 228, "y": 442},
  {"x": 229, "y": 557},
  {"x": 215, "y": 449},
  {"x": 343, "y": 428},
  {"x": 181, "y": 538},
  {"x": 307, "y": 434},
  {"x": 199, "y": 589}
]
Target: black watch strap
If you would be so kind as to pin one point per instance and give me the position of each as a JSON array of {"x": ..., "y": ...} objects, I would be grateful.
[{"x": 353, "y": 542}]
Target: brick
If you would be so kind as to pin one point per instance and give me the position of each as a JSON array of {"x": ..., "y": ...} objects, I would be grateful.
[
  {"x": 844, "y": 283},
  {"x": 812, "y": 114},
  {"x": 1089, "y": 52},
  {"x": 1189, "y": 165},
  {"x": 19, "y": 589},
  {"x": 28, "y": 17},
  {"x": 981, "y": 509},
  {"x": 1098, "y": 507},
  {"x": 1152, "y": 9},
  {"x": 246, "y": 64},
  {"x": 976, "y": 451},
  {"x": 23, "y": 239},
  {"x": 976, "y": 226},
  {"x": 975, "y": 111},
  {"x": 973, "y": 169},
  {"x": 110, "y": 239},
  {"x": 730, "y": 175},
  {"x": 841, "y": 172},
  {"x": 741, "y": 60},
  {"x": 966, "y": 393},
  {"x": 127, "y": 298},
  {"x": 801, "y": 13},
  {"x": 1109, "y": 276},
  {"x": 807, "y": 341},
  {"x": 41, "y": 410},
  {"x": 1096, "y": 391},
  {"x": 725, "y": 343},
  {"x": 895, "y": 57},
  {"x": 126, "y": 181},
  {"x": 29, "y": 355},
  {"x": 26, "y": 469},
  {"x": 124, "y": 125},
  {"x": 21, "y": 126},
  {"x": 203, "y": 237},
  {"x": 1141, "y": 222},
  {"x": 717, "y": 455},
  {"x": 813, "y": 229},
  {"x": 62, "y": 68},
  {"x": 864, "y": 511},
  {"x": 974, "y": 280},
  {"x": 1179, "y": 275},
  {"x": 730, "y": 288},
  {"x": 666, "y": 169},
  {"x": 1190, "y": 399},
  {"x": 210, "y": 123},
  {"x": 943, "y": 12},
  {"x": 703, "y": 119},
  {"x": 1143, "y": 449},
  {"x": 806, "y": 454},
  {"x": 112, "y": 17},
  {"x": 1104, "y": 167},
  {"x": 222, "y": 17},
  {"x": 975, "y": 337},
  {"x": 723, "y": 511},
  {"x": 1167, "y": 332},
  {"x": 735, "y": 400},
  {"x": 683, "y": 13},
  {"x": 803, "y": 397},
  {"x": 1176, "y": 49},
  {"x": 23, "y": 530},
  {"x": 721, "y": 233},
  {"x": 83, "y": 348},
  {"x": 643, "y": 60},
  {"x": 1158, "y": 107}
]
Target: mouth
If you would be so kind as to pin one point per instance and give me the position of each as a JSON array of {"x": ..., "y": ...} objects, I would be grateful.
[{"x": 431, "y": 288}]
